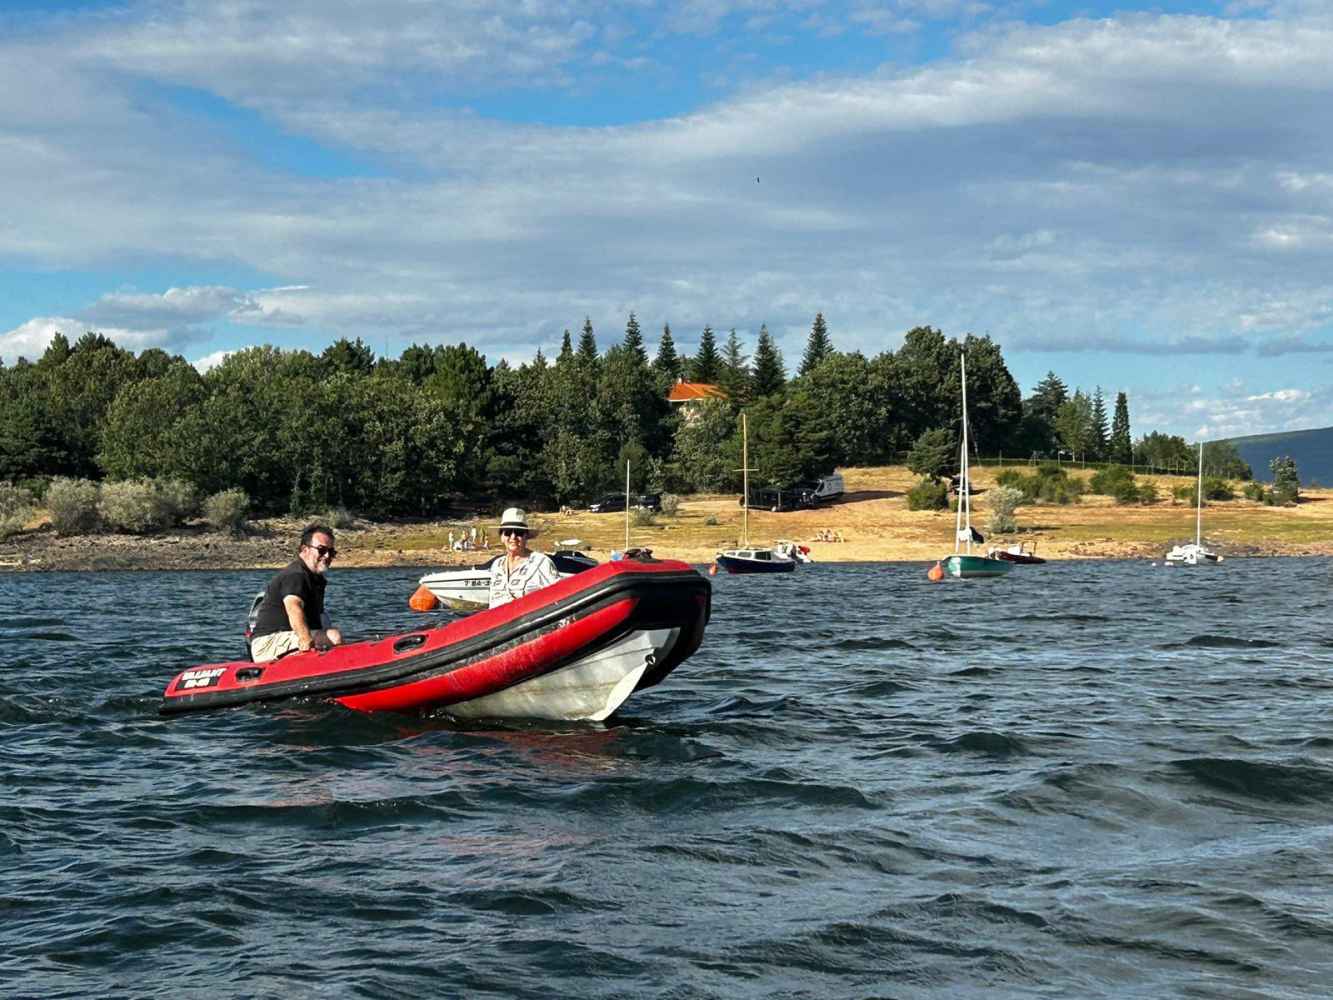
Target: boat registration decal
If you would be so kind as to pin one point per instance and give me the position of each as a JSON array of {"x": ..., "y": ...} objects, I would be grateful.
[{"x": 200, "y": 678}]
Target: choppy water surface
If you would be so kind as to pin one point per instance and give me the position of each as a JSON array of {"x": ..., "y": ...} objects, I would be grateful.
[{"x": 1082, "y": 780}]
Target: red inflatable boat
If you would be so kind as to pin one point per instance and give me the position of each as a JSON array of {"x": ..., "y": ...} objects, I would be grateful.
[{"x": 574, "y": 650}]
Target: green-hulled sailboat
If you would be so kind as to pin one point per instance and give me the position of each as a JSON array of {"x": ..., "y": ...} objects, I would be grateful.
[{"x": 963, "y": 563}]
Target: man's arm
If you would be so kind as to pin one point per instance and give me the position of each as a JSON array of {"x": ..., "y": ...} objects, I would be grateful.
[{"x": 295, "y": 608}]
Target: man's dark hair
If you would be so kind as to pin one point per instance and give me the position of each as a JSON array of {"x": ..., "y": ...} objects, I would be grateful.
[{"x": 311, "y": 530}]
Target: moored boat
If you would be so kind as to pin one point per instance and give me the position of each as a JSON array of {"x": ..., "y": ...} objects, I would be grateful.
[
  {"x": 468, "y": 587},
  {"x": 574, "y": 650},
  {"x": 754, "y": 561},
  {"x": 1194, "y": 553},
  {"x": 1017, "y": 553}
]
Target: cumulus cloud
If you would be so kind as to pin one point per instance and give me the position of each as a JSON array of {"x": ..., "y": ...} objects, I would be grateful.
[
  {"x": 30, "y": 340},
  {"x": 1151, "y": 186}
]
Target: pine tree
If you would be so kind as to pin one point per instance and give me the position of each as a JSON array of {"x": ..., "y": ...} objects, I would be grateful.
[
  {"x": 1101, "y": 436},
  {"x": 566, "y": 354},
  {"x": 667, "y": 364},
  {"x": 769, "y": 374},
  {"x": 1121, "y": 446},
  {"x": 817, "y": 347},
  {"x": 707, "y": 366},
  {"x": 634, "y": 340},
  {"x": 735, "y": 377},
  {"x": 587, "y": 344}
]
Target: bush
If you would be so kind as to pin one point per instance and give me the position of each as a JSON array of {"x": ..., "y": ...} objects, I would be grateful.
[
  {"x": 670, "y": 504},
  {"x": 928, "y": 494},
  {"x": 643, "y": 518},
  {"x": 1186, "y": 494},
  {"x": 179, "y": 499},
  {"x": 35, "y": 485},
  {"x": 1147, "y": 491},
  {"x": 1111, "y": 481},
  {"x": 1008, "y": 477},
  {"x": 225, "y": 511},
  {"x": 1003, "y": 501},
  {"x": 1254, "y": 491},
  {"x": 338, "y": 518},
  {"x": 1049, "y": 484},
  {"x": 16, "y": 507},
  {"x": 711, "y": 521},
  {"x": 1126, "y": 491},
  {"x": 72, "y": 504},
  {"x": 132, "y": 505},
  {"x": 1217, "y": 488}
]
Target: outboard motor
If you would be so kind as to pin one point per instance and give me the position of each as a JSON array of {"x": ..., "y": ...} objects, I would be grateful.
[{"x": 251, "y": 620}]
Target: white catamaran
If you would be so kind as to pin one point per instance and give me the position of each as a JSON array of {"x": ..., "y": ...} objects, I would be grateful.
[{"x": 1195, "y": 553}]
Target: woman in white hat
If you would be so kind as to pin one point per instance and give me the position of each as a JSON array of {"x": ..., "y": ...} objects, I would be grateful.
[{"x": 520, "y": 570}]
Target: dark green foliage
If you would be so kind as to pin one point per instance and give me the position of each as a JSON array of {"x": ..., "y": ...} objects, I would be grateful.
[
  {"x": 1120, "y": 447},
  {"x": 850, "y": 402},
  {"x": 934, "y": 455},
  {"x": 1222, "y": 458},
  {"x": 634, "y": 339},
  {"x": 817, "y": 347},
  {"x": 1049, "y": 484},
  {"x": 226, "y": 511},
  {"x": 1254, "y": 491},
  {"x": 1165, "y": 451},
  {"x": 1286, "y": 480},
  {"x": 707, "y": 448},
  {"x": 1217, "y": 488},
  {"x": 587, "y": 352},
  {"x": 769, "y": 376},
  {"x": 735, "y": 374},
  {"x": 707, "y": 363},
  {"x": 667, "y": 363},
  {"x": 351, "y": 357},
  {"x": 928, "y": 494},
  {"x": 1107, "y": 481},
  {"x": 1101, "y": 434}
]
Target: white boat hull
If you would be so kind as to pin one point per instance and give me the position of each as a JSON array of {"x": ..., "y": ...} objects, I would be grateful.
[
  {"x": 1192, "y": 555},
  {"x": 589, "y": 689},
  {"x": 463, "y": 589}
]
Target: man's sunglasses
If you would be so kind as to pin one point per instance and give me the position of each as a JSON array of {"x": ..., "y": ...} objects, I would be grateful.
[
  {"x": 512, "y": 531},
  {"x": 325, "y": 550}
]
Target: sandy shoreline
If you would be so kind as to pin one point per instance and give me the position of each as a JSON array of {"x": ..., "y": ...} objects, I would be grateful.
[{"x": 872, "y": 520}]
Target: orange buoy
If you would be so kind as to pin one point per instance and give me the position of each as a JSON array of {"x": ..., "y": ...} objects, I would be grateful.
[
  {"x": 935, "y": 573},
  {"x": 423, "y": 600},
  {"x": 712, "y": 570}
]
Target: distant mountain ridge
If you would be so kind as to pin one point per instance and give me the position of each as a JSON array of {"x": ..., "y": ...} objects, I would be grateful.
[{"x": 1312, "y": 450}]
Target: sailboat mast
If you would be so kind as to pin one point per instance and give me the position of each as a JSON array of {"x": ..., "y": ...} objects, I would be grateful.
[
  {"x": 627, "y": 505},
  {"x": 745, "y": 483},
  {"x": 964, "y": 480},
  {"x": 1198, "y": 502}
]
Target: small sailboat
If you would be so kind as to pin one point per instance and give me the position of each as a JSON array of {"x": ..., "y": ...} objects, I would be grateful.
[
  {"x": 963, "y": 563},
  {"x": 748, "y": 558},
  {"x": 1195, "y": 553}
]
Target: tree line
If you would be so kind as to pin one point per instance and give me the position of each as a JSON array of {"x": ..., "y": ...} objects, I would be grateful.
[{"x": 408, "y": 435}]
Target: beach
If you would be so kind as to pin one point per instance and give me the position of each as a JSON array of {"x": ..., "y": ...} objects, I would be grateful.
[{"x": 870, "y": 523}]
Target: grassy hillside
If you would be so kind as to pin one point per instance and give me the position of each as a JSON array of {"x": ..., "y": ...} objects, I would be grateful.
[{"x": 1312, "y": 450}]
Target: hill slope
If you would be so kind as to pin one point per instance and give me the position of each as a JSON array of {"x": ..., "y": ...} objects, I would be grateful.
[{"x": 1312, "y": 450}]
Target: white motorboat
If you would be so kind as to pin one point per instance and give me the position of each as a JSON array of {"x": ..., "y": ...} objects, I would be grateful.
[{"x": 467, "y": 588}]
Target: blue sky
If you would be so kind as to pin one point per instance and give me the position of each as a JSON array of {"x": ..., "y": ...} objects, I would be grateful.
[{"x": 1138, "y": 197}]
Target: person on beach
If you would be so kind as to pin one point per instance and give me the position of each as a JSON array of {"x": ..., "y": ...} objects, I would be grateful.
[
  {"x": 291, "y": 616},
  {"x": 520, "y": 570}
]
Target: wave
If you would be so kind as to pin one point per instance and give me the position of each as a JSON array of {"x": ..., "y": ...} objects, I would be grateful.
[
  {"x": 1295, "y": 782},
  {"x": 984, "y": 742},
  {"x": 1208, "y": 641}
]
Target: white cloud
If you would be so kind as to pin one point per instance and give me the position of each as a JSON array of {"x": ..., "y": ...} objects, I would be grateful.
[
  {"x": 30, "y": 340},
  {"x": 212, "y": 360}
]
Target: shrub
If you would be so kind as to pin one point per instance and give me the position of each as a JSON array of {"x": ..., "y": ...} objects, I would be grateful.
[
  {"x": 1003, "y": 501},
  {"x": 1217, "y": 488},
  {"x": 643, "y": 518},
  {"x": 1049, "y": 484},
  {"x": 72, "y": 504},
  {"x": 132, "y": 505},
  {"x": 16, "y": 506},
  {"x": 670, "y": 504},
  {"x": 1186, "y": 494},
  {"x": 179, "y": 499},
  {"x": 1254, "y": 491},
  {"x": 711, "y": 521},
  {"x": 338, "y": 518},
  {"x": 1009, "y": 477},
  {"x": 1124, "y": 491},
  {"x": 1147, "y": 491},
  {"x": 1111, "y": 481},
  {"x": 928, "y": 494},
  {"x": 225, "y": 511},
  {"x": 35, "y": 485}
]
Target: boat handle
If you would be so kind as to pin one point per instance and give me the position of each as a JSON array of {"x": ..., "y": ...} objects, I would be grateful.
[
  {"x": 408, "y": 642},
  {"x": 249, "y": 673}
]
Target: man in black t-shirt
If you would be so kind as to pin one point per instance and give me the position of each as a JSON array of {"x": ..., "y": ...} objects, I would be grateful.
[{"x": 291, "y": 615}]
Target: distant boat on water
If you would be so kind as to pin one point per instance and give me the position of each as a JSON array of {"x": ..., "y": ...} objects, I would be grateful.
[{"x": 1195, "y": 553}]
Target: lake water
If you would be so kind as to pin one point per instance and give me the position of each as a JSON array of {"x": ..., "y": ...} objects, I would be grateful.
[{"x": 1083, "y": 780}]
